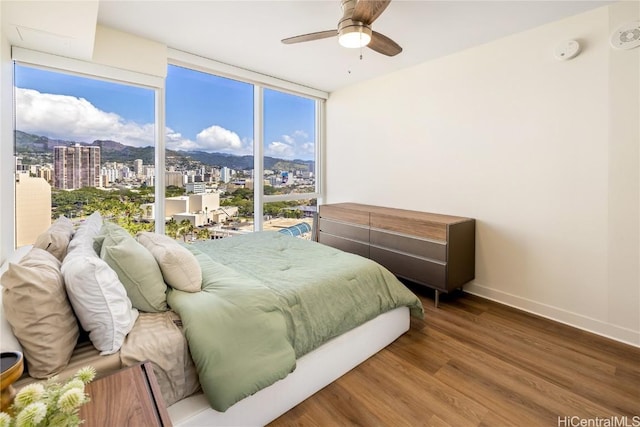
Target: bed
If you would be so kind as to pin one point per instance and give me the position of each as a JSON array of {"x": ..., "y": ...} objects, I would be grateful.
[{"x": 249, "y": 306}]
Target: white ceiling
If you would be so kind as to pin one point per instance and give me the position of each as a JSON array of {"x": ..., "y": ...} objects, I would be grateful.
[{"x": 247, "y": 34}]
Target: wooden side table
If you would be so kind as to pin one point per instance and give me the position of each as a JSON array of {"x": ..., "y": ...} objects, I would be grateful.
[
  {"x": 12, "y": 365},
  {"x": 129, "y": 397}
]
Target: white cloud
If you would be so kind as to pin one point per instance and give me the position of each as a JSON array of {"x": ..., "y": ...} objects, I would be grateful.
[
  {"x": 217, "y": 138},
  {"x": 288, "y": 139},
  {"x": 213, "y": 139},
  {"x": 308, "y": 150},
  {"x": 300, "y": 134},
  {"x": 71, "y": 118},
  {"x": 175, "y": 141},
  {"x": 77, "y": 119},
  {"x": 280, "y": 149},
  {"x": 293, "y": 146}
]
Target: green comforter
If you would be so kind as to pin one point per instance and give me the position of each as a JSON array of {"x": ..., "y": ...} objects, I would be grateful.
[{"x": 267, "y": 299}]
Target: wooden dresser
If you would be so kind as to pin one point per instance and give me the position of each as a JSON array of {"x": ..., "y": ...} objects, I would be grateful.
[
  {"x": 129, "y": 397},
  {"x": 430, "y": 249}
]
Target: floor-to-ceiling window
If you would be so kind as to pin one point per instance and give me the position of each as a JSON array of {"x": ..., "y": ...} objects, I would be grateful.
[
  {"x": 235, "y": 156},
  {"x": 81, "y": 144},
  {"x": 209, "y": 154},
  {"x": 212, "y": 178},
  {"x": 289, "y": 161}
]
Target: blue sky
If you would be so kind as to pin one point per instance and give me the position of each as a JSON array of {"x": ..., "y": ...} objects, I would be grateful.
[{"x": 203, "y": 112}]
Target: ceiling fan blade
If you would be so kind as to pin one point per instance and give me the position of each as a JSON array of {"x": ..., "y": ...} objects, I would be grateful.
[
  {"x": 311, "y": 36},
  {"x": 384, "y": 45},
  {"x": 367, "y": 11}
]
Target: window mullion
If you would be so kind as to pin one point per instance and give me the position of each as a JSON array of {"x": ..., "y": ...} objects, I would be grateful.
[
  {"x": 160, "y": 168},
  {"x": 258, "y": 154},
  {"x": 320, "y": 146}
]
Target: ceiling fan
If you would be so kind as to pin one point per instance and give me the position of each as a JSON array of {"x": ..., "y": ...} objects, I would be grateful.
[{"x": 354, "y": 28}]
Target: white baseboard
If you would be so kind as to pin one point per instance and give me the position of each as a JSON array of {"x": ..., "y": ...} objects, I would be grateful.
[{"x": 579, "y": 321}]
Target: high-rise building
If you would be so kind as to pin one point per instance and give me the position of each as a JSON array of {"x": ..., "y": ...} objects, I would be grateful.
[
  {"x": 225, "y": 174},
  {"x": 76, "y": 167},
  {"x": 46, "y": 173},
  {"x": 109, "y": 174},
  {"x": 137, "y": 168},
  {"x": 173, "y": 179}
]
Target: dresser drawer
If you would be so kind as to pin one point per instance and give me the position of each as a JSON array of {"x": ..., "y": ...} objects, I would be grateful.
[
  {"x": 418, "y": 226},
  {"x": 346, "y": 213},
  {"x": 346, "y": 245},
  {"x": 409, "y": 244},
  {"x": 421, "y": 270},
  {"x": 348, "y": 231}
]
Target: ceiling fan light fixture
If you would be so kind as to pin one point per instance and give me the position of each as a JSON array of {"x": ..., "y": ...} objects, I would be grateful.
[
  {"x": 354, "y": 28},
  {"x": 354, "y": 36}
]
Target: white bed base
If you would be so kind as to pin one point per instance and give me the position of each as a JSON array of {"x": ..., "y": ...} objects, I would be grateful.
[{"x": 314, "y": 371}]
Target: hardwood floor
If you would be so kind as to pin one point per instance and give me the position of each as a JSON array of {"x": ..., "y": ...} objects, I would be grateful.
[{"x": 473, "y": 362}]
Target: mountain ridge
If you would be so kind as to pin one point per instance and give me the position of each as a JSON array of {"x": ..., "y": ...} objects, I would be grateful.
[{"x": 114, "y": 151}]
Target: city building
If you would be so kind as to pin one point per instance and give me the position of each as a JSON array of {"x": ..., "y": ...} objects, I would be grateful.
[
  {"x": 148, "y": 211},
  {"x": 223, "y": 214},
  {"x": 174, "y": 179},
  {"x": 195, "y": 187},
  {"x": 176, "y": 205},
  {"x": 200, "y": 209},
  {"x": 204, "y": 202},
  {"x": 138, "y": 167},
  {"x": 33, "y": 201},
  {"x": 76, "y": 167},
  {"x": 225, "y": 174},
  {"x": 46, "y": 173}
]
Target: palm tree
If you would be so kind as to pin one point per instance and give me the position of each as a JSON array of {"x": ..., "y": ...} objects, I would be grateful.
[
  {"x": 172, "y": 228},
  {"x": 186, "y": 227},
  {"x": 203, "y": 234}
]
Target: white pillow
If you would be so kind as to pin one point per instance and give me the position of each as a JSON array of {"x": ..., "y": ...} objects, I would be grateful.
[
  {"x": 180, "y": 268},
  {"x": 8, "y": 341},
  {"x": 99, "y": 299},
  {"x": 83, "y": 237}
]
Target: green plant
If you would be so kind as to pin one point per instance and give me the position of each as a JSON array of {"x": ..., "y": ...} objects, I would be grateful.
[{"x": 50, "y": 403}]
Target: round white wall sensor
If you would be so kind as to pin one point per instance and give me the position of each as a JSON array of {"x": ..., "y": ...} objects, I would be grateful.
[
  {"x": 627, "y": 36},
  {"x": 567, "y": 50}
]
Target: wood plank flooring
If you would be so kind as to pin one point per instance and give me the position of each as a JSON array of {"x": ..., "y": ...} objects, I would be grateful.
[{"x": 473, "y": 362}]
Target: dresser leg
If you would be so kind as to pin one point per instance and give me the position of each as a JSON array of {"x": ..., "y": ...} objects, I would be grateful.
[{"x": 437, "y": 297}]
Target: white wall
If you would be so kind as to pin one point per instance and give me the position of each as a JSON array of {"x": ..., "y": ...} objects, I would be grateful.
[
  {"x": 7, "y": 168},
  {"x": 543, "y": 153}
]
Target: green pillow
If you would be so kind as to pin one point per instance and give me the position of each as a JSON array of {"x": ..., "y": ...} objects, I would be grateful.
[{"x": 136, "y": 267}]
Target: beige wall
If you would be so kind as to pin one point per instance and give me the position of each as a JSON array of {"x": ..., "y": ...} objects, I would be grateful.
[
  {"x": 175, "y": 205},
  {"x": 544, "y": 153},
  {"x": 33, "y": 201},
  {"x": 197, "y": 202},
  {"x": 126, "y": 51}
]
